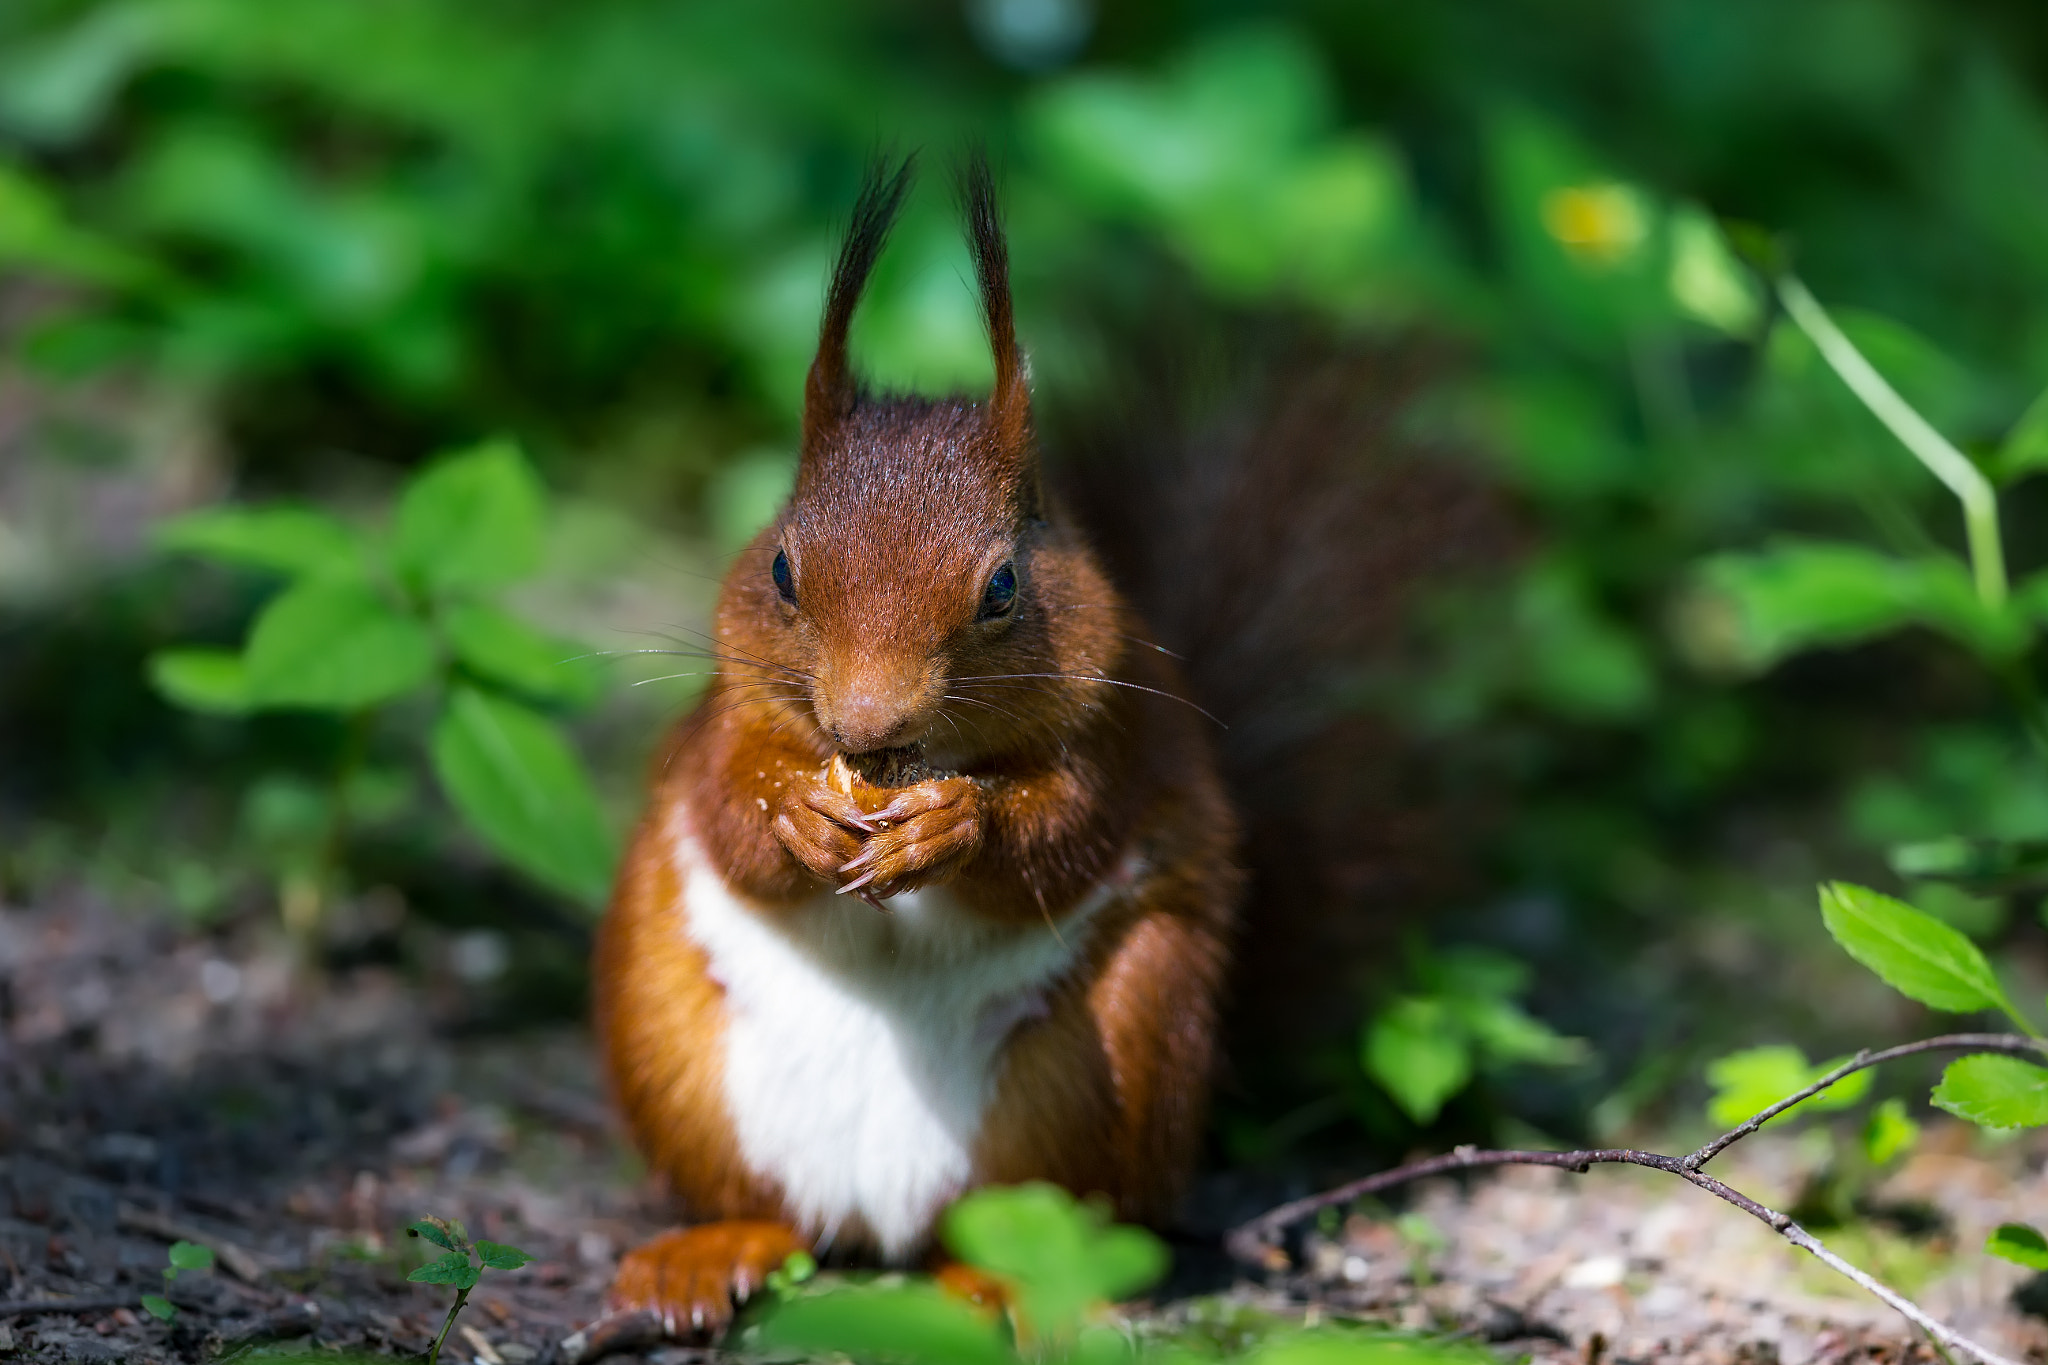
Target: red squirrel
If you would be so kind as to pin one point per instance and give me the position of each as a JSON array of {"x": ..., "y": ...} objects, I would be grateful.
[{"x": 936, "y": 884}]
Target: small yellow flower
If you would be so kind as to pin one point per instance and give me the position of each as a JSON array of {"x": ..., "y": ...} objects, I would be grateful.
[{"x": 1600, "y": 224}]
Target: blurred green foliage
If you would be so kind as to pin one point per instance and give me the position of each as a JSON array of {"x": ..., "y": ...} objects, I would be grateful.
[
  {"x": 1423, "y": 1048},
  {"x": 1063, "y": 1265},
  {"x": 1742, "y": 646},
  {"x": 367, "y": 620}
]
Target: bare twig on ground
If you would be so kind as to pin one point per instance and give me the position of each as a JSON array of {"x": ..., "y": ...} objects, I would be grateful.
[
  {"x": 23, "y": 1308},
  {"x": 1252, "y": 1243},
  {"x": 234, "y": 1259},
  {"x": 295, "y": 1319}
]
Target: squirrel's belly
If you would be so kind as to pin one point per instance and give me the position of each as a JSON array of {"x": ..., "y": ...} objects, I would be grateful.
[{"x": 862, "y": 1047}]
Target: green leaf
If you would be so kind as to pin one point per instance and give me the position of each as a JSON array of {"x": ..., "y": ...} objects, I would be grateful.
[
  {"x": 191, "y": 1256},
  {"x": 296, "y": 541},
  {"x": 1995, "y": 1092},
  {"x": 1953, "y": 857},
  {"x": 1064, "y": 1256},
  {"x": 2020, "y": 1244},
  {"x": 1707, "y": 280},
  {"x": 518, "y": 783},
  {"x": 210, "y": 680},
  {"x": 1419, "y": 1054},
  {"x": 498, "y": 1256},
  {"x": 472, "y": 520},
  {"x": 435, "y": 1231},
  {"x": 453, "y": 1268},
  {"x": 1752, "y": 610},
  {"x": 1472, "y": 973},
  {"x": 914, "y": 1324},
  {"x": 1748, "y": 1082},
  {"x": 1477, "y": 988},
  {"x": 335, "y": 646},
  {"x": 158, "y": 1307},
  {"x": 1505, "y": 1035},
  {"x": 1890, "y": 1133},
  {"x": 1915, "y": 953},
  {"x": 502, "y": 648}
]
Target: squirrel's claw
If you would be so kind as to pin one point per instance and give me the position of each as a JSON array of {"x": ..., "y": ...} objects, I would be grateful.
[
  {"x": 838, "y": 807},
  {"x": 849, "y": 888},
  {"x": 873, "y": 895},
  {"x": 932, "y": 830}
]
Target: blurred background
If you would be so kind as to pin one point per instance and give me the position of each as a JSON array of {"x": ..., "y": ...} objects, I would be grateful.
[{"x": 285, "y": 257}]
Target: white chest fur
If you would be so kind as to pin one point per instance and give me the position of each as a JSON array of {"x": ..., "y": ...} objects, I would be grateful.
[{"x": 861, "y": 1047}]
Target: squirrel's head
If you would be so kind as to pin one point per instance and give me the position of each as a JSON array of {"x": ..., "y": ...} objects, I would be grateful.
[{"x": 916, "y": 582}]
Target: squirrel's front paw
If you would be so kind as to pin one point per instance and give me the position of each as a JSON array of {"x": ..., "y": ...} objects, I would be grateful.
[
  {"x": 921, "y": 837},
  {"x": 821, "y": 828},
  {"x": 691, "y": 1277}
]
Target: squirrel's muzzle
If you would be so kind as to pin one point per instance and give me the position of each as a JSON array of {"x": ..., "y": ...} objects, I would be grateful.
[{"x": 865, "y": 707}]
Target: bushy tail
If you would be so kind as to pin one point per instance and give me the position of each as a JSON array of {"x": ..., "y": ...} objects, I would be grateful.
[{"x": 1264, "y": 498}]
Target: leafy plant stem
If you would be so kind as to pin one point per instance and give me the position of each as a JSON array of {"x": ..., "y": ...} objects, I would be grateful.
[
  {"x": 1930, "y": 447},
  {"x": 454, "y": 1310},
  {"x": 2026, "y": 1025}
]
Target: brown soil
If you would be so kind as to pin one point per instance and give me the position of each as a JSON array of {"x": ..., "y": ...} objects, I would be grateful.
[{"x": 157, "y": 1084}]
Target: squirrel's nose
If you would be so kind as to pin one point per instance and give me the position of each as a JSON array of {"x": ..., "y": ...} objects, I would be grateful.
[{"x": 869, "y": 718}]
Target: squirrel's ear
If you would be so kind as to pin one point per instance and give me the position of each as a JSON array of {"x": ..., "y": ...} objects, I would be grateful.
[
  {"x": 1009, "y": 402},
  {"x": 830, "y": 390}
]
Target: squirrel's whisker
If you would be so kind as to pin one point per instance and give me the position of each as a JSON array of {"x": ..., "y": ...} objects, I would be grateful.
[
  {"x": 1089, "y": 705},
  {"x": 732, "y": 663},
  {"x": 1096, "y": 678},
  {"x": 1033, "y": 722},
  {"x": 1119, "y": 607},
  {"x": 763, "y": 660}
]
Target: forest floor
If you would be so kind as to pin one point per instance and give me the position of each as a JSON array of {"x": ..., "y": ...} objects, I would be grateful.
[{"x": 157, "y": 1085}]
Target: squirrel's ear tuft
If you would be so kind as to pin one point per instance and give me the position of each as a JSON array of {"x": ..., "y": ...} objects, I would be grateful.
[
  {"x": 830, "y": 390},
  {"x": 1009, "y": 402}
]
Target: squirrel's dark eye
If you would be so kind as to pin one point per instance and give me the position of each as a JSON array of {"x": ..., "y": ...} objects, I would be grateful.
[
  {"x": 784, "y": 583},
  {"x": 1001, "y": 592}
]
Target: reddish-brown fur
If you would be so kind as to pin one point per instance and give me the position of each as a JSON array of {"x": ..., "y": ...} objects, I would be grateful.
[{"x": 1072, "y": 749}]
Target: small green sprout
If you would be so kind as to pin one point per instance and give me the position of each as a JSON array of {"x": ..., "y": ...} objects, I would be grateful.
[
  {"x": 797, "y": 1270},
  {"x": 183, "y": 1256},
  {"x": 457, "y": 1267}
]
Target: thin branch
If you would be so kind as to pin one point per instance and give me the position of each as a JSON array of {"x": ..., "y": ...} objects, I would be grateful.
[
  {"x": 235, "y": 1259},
  {"x": 1930, "y": 447},
  {"x": 2012, "y": 1044},
  {"x": 1941, "y": 1335},
  {"x": 1252, "y": 1243},
  {"x": 29, "y": 1307}
]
